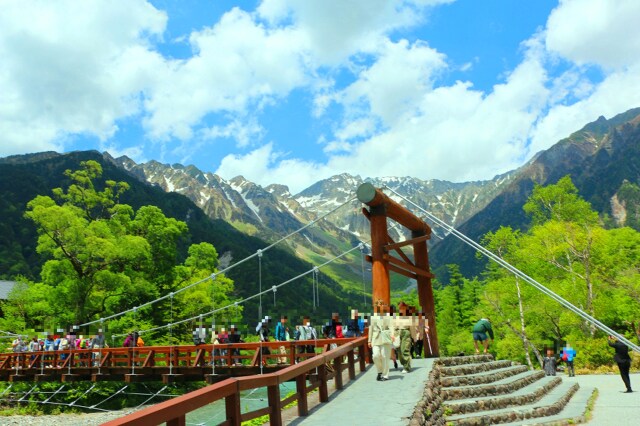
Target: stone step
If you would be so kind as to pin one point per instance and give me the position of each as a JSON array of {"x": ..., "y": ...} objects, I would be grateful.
[
  {"x": 549, "y": 405},
  {"x": 523, "y": 396},
  {"x": 474, "y": 368},
  {"x": 573, "y": 413},
  {"x": 484, "y": 377},
  {"x": 459, "y": 360},
  {"x": 500, "y": 387}
]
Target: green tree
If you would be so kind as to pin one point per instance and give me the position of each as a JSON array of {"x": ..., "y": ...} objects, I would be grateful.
[{"x": 104, "y": 257}]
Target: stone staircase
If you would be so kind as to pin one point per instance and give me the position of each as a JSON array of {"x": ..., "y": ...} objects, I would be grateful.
[{"x": 477, "y": 390}]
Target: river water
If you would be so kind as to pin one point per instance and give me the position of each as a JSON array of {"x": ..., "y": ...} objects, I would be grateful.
[{"x": 250, "y": 400}]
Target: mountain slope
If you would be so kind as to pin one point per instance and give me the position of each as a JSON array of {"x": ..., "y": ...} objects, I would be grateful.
[
  {"x": 600, "y": 158},
  {"x": 24, "y": 177}
]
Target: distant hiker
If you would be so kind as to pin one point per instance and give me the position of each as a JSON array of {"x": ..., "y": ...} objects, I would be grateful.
[
  {"x": 480, "y": 331},
  {"x": 567, "y": 355},
  {"x": 353, "y": 329},
  {"x": 234, "y": 337},
  {"x": 262, "y": 330},
  {"x": 128, "y": 341},
  {"x": 549, "y": 363},
  {"x": 623, "y": 360},
  {"x": 281, "y": 335}
]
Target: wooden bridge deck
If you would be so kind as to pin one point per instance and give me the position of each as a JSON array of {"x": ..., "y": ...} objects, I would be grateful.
[{"x": 155, "y": 363}]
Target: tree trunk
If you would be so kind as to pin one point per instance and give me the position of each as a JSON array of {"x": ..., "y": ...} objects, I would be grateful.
[{"x": 525, "y": 341}]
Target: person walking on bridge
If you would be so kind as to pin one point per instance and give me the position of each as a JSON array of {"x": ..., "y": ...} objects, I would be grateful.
[
  {"x": 623, "y": 360},
  {"x": 406, "y": 326},
  {"x": 480, "y": 331},
  {"x": 381, "y": 332}
]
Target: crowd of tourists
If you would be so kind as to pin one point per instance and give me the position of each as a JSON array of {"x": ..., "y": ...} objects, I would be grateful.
[
  {"x": 397, "y": 335},
  {"x": 58, "y": 343}
]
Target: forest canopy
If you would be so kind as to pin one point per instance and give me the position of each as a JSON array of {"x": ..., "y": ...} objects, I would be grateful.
[{"x": 104, "y": 257}]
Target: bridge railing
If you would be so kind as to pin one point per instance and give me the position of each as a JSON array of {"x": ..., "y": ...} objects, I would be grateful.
[
  {"x": 180, "y": 356},
  {"x": 328, "y": 365}
]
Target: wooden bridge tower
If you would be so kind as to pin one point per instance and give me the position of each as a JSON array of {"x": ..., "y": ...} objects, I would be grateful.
[{"x": 382, "y": 207}]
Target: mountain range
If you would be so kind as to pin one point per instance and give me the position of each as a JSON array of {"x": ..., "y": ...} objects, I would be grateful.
[{"x": 602, "y": 158}]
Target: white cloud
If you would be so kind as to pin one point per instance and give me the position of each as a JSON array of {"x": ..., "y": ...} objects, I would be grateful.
[
  {"x": 336, "y": 29},
  {"x": 393, "y": 85},
  {"x": 236, "y": 64},
  {"x": 244, "y": 132},
  {"x": 136, "y": 153},
  {"x": 619, "y": 92},
  {"x": 601, "y": 32},
  {"x": 72, "y": 67}
]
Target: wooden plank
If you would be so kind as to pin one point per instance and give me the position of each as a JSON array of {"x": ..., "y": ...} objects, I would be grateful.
[
  {"x": 403, "y": 272},
  {"x": 150, "y": 359},
  {"x": 393, "y": 246},
  {"x": 419, "y": 271},
  {"x": 397, "y": 250}
]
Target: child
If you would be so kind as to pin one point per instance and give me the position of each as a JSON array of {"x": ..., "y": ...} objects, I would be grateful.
[{"x": 549, "y": 363}]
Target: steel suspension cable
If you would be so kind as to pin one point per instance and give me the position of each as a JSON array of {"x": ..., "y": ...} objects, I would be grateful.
[
  {"x": 520, "y": 274},
  {"x": 272, "y": 289},
  {"x": 228, "y": 268}
]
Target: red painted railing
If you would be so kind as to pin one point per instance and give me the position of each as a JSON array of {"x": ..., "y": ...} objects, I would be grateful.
[
  {"x": 153, "y": 362},
  {"x": 328, "y": 365}
]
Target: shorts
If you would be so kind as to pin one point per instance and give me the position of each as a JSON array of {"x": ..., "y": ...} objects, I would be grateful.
[{"x": 479, "y": 336}]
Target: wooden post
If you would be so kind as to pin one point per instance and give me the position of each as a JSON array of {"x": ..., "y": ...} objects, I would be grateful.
[
  {"x": 275, "y": 415},
  {"x": 381, "y": 293},
  {"x": 301, "y": 389},
  {"x": 425, "y": 295},
  {"x": 232, "y": 408},
  {"x": 337, "y": 368},
  {"x": 323, "y": 391},
  {"x": 352, "y": 365},
  {"x": 178, "y": 421}
]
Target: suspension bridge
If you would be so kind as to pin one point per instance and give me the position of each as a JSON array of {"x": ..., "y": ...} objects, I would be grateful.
[{"x": 231, "y": 368}]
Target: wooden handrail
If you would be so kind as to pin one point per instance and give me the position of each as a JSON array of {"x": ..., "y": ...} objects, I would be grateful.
[{"x": 174, "y": 411}]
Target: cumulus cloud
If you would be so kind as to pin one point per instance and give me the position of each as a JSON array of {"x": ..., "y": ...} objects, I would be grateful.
[
  {"x": 61, "y": 76},
  {"x": 378, "y": 96},
  {"x": 601, "y": 32},
  {"x": 338, "y": 28},
  {"x": 237, "y": 64}
]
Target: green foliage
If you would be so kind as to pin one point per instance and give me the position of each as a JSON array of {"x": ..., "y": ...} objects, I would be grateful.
[
  {"x": 559, "y": 202},
  {"x": 629, "y": 197},
  {"x": 105, "y": 257},
  {"x": 569, "y": 252}
]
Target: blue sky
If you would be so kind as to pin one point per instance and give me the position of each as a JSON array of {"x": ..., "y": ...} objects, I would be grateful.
[{"x": 293, "y": 91}]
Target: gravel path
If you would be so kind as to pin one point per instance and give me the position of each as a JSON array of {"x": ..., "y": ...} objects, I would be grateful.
[{"x": 87, "y": 419}]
